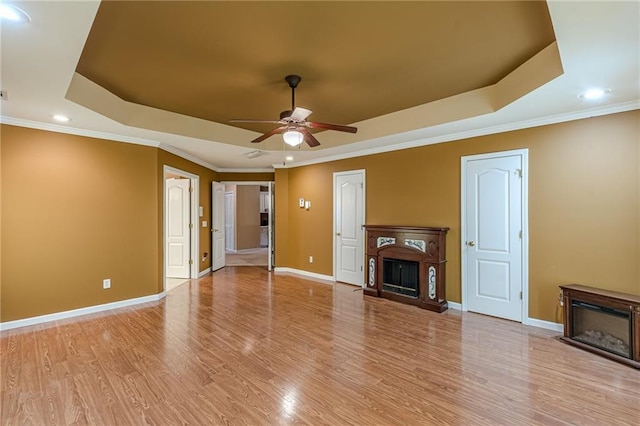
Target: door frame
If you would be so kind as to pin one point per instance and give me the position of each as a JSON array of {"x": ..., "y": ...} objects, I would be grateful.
[
  {"x": 271, "y": 224},
  {"x": 524, "y": 182},
  {"x": 226, "y": 234},
  {"x": 363, "y": 172},
  {"x": 194, "y": 240}
]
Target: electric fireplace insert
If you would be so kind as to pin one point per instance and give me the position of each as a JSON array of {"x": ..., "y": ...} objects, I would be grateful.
[{"x": 603, "y": 322}]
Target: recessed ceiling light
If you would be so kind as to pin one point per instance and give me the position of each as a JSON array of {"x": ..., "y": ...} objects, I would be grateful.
[
  {"x": 61, "y": 118},
  {"x": 289, "y": 158},
  {"x": 595, "y": 93},
  {"x": 12, "y": 13}
]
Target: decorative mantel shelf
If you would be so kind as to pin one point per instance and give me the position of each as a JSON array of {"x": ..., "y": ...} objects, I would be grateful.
[{"x": 407, "y": 264}]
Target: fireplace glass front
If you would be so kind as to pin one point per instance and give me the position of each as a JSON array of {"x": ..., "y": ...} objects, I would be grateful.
[
  {"x": 605, "y": 328},
  {"x": 400, "y": 276}
]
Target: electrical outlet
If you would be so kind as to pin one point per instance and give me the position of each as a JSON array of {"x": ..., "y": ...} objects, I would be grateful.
[
  {"x": 310, "y": 259},
  {"x": 106, "y": 283}
]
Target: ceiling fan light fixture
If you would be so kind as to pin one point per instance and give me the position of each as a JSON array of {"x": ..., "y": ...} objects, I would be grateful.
[{"x": 293, "y": 137}]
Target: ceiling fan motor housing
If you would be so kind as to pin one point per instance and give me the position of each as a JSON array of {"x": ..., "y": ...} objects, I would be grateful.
[
  {"x": 293, "y": 80},
  {"x": 285, "y": 114}
]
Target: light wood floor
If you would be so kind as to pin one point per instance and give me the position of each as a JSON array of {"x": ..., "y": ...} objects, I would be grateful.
[
  {"x": 251, "y": 257},
  {"x": 243, "y": 346}
]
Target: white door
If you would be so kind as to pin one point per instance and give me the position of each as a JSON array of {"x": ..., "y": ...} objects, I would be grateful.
[
  {"x": 229, "y": 221},
  {"x": 177, "y": 232},
  {"x": 270, "y": 204},
  {"x": 217, "y": 226},
  {"x": 494, "y": 225},
  {"x": 348, "y": 223}
]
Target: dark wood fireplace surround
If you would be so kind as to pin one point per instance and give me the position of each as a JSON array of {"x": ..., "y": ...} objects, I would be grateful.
[{"x": 427, "y": 246}]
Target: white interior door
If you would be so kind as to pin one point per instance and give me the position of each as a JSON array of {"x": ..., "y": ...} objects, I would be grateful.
[
  {"x": 493, "y": 215},
  {"x": 348, "y": 223},
  {"x": 229, "y": 221},
  {"x": 217, "y": 226},
  {"x": 177, "y": 228}
]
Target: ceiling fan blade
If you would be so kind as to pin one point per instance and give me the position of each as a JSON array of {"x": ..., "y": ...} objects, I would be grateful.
[
  {"x": 241, "y": 120},
  {"x": 309, "y": 138},
  {"x": 327, "y": 126},
  {"x": 269, "y": 134},
  {"x": 300, "y": 114}
]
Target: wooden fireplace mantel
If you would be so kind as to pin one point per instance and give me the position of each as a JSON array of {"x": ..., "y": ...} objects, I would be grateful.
[{"x": 424, "y": 245}]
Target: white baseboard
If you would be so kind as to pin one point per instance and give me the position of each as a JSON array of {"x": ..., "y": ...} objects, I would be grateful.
[
  {"x": 544, "y": 324},
  {"x": 8, "y": 325},
  {"x": 454, "y": 305},
  {"x": 205, "y": 272},
  {"x": 304, "y": 273}
]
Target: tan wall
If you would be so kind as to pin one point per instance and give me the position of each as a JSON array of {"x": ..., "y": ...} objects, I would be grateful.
[
  {"x": 206, "y": 177},
  {"x": 584, "y": 191},
  {"x": 281, "y": 211},
  {"x": 75, "y": 211},
  {"x": 247, "y": 217},
  {"x": 245, "y": 177}
]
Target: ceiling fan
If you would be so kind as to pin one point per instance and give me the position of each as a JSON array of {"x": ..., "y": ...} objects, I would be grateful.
[{"x": 293, "y": 123}]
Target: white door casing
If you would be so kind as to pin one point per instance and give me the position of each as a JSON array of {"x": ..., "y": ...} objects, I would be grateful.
[
  {"x": 349, "y": 220},
  {"x": 178, "y": 245},
  {"x": 493, "y": 234},
  {"x": 229, "y": 221},
  {"x": 217, "y": 226}
]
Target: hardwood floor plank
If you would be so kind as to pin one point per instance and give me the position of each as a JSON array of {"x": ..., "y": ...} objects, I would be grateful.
[{"x": 244, "y": 346}]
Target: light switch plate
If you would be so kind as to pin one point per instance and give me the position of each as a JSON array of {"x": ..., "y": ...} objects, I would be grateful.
[{"x": 204, "y": 223}]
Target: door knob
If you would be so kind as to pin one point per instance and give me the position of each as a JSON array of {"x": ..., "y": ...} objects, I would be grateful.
[
  {"x": 337, "y": 234},
  {"x": 471, "y": 243}
]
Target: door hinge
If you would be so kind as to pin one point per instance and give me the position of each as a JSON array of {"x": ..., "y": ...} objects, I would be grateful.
[
  {"x": 520, "y": 295},
  {"x": 190, "y": 262},
  {"x": 191, "y": 226},
  {"x": 519, "y": 172},
  {"x": 191, "y": 189},
  {"x": 520, "y": 234}
]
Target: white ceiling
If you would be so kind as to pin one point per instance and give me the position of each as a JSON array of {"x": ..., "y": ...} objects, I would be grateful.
[{"x": 599, "y": 45}]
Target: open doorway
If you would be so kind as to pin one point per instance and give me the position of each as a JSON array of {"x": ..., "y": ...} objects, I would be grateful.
[
  {"x": 248, "y": 224},
  {"x": 180, "y": 239}
]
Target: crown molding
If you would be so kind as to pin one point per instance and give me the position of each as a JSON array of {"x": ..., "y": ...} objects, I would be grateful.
[
  {"x": 175, "y": 151},
  {"x": 502, "y": 128},
  {"x": 76, "y": 131},
  {"x": 507, "y": 127},
  {"x": 241, "y": 170},
  {"x": 105, "y": 136}
]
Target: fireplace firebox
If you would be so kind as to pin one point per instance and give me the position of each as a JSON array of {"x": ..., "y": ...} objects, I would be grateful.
[
  {"x": 400, "y": 276},
  {"x": 604, "y": 322},
  {"x": 407, "y": 264}
]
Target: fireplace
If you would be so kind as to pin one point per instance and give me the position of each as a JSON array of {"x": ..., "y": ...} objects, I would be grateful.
[
  {"x": 606, "y": 328},
  {"x": 604, "y": 322},
  {"x": 400, "y": 276},
  {"x": 407, "y": 264}
]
